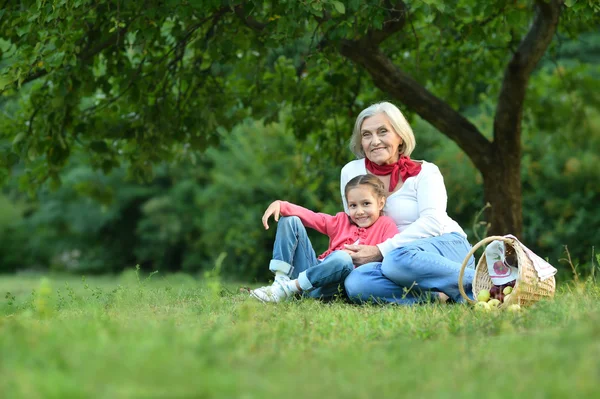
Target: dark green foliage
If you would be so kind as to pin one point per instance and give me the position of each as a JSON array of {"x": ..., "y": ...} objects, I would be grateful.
[
  {"x": 184, "y": 219},
  {"x": 98, "y": 96},
  {"x": 76, "y": 232},
  {"x": 166, "y": 231},
  {"x": 255, "y": 166},
  {"x": 135, "y": 81},
  {"x": 561, "y": 179}
]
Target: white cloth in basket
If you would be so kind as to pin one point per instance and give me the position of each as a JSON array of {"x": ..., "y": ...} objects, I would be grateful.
[{"x": 544, "y": 269}]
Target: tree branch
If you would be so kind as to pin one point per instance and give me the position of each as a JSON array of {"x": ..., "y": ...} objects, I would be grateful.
[
  {"x": 248, "y": 20},
  {"x": 95, "y": 108},
  {"x": 112, "y": 40},
  {"x": 395, "y": 23}
]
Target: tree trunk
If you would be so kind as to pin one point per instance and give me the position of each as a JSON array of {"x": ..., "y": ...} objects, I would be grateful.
[{"x": 502, "y": 190}]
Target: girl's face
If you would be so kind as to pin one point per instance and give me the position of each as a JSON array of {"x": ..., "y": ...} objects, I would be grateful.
[
  {"x": 364, "y": 207},
  {"x": 379, "y": 141}
]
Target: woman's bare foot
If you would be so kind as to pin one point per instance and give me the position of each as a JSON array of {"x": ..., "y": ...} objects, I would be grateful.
[{"x": 443, "y": 298}]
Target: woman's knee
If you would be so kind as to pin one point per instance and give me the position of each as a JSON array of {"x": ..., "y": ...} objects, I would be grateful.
[
  {"x": 401, "y": 266},
  {"x": 354, "y": 284}
]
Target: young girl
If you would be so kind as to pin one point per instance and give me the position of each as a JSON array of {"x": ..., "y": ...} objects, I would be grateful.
[{"x": 297, "y": 269}]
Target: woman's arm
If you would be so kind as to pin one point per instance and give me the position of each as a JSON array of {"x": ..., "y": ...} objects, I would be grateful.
[{"x": 362, "y": 254}]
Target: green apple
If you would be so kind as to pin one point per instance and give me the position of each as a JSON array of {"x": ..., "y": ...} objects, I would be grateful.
[
  {"x": 483, "y": 296},
  {"x": 507, "y": 290},
  {"x": 507, "y": 298},
  {"x": 514, "y": 308},
  {"x": 494, "y": 303},
  {"x": 482, "y": 307}
]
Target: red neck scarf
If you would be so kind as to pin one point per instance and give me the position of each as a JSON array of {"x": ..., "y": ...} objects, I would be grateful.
[{"x": 404, "y": 169}]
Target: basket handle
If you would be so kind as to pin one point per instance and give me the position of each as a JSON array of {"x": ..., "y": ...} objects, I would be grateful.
[{"x": 471, "y": 252}]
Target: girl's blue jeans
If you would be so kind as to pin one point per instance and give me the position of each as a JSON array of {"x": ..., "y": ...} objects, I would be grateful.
[
  {"x": 415, "y": 273},
  {"x": 294, "y": 255}
]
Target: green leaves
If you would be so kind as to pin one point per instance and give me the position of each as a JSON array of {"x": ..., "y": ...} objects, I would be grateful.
[
  {"x": 20, "y": 136},
  {"x": 99, "y": 146},
  {"x": 339, "y": 6}
]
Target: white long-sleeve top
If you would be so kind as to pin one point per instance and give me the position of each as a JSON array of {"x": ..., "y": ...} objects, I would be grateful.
[{"x": 418, "y": 208}]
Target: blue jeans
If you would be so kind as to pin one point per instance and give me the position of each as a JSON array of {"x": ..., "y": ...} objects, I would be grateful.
[
  {"x": 294, "y": 255},
  {"x": 415, "y": 273}
]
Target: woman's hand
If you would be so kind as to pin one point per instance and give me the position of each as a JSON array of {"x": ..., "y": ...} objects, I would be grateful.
[
  {"x": 273, "y": 209},
  {"x": 362, "y": 254}
]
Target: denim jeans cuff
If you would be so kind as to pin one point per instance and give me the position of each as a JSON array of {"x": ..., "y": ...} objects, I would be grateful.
[
  {"x": 280, "y": 266},
  {"x": 304, "y": 283}
]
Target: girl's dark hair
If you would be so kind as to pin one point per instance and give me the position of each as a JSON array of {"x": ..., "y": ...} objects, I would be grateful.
[{"x": 366, "y": 180}]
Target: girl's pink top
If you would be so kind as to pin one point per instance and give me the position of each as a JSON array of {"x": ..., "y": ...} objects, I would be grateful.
[{"x": 340, "y": 229}]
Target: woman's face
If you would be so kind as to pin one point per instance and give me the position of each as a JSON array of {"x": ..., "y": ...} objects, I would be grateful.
[{"x": 379, "y": 141}]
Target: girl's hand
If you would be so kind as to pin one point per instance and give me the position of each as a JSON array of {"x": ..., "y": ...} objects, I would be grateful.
[
  {"x": 362, "y": 254},
  {"x": 273, "y": 209}
]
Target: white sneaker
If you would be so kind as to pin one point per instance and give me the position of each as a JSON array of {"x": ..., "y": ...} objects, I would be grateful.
[
  {"x": 282, "y": 278},
  {"x": 276, "y": 292}
]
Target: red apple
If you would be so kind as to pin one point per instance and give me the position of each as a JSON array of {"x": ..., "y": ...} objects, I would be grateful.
[{"x": 495, "y": 290}]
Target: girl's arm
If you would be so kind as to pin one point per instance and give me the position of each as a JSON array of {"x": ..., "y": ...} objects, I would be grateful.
[
  {"x": 274, "y": 209},
  {"x": 321, "y": 222}
]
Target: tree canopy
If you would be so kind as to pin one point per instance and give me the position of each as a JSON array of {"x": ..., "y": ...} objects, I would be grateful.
[{"x": 142, "y": 82}]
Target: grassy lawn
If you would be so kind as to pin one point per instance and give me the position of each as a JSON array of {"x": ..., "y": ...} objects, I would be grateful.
[{"x": 171, "y": 336}]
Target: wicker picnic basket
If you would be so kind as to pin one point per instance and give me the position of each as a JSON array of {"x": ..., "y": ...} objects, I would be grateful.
[{"x": 528, "y": 288}]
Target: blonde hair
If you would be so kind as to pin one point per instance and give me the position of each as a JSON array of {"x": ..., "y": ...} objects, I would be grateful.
[{"x": 397, "y": 120}]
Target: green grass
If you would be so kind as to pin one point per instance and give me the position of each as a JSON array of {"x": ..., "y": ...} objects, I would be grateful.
[{"x": 175, "y": 337}]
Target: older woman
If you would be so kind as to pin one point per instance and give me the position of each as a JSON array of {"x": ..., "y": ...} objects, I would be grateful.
[{"x": 424, "y": 258}]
